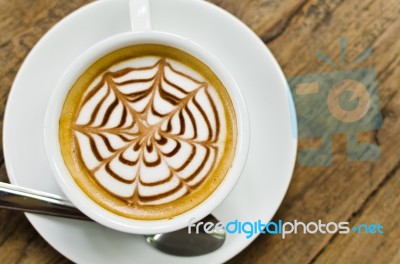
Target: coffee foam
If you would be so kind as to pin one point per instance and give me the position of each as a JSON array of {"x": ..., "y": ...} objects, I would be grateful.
[
  {"x": 150, "y": 130},
  {"x": 163, "y": 118}
]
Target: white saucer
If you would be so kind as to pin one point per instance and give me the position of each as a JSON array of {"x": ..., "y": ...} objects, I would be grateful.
[{"x": 270, "y": 164}]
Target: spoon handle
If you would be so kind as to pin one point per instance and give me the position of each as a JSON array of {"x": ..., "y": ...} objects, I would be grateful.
[{"x": 24, "y": 199}]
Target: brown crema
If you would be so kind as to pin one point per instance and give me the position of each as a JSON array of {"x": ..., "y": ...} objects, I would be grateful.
[{"x": 148, "y": 132}]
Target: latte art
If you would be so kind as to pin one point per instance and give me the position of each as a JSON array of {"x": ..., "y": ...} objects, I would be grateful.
[{"x": 148, "y": 132}]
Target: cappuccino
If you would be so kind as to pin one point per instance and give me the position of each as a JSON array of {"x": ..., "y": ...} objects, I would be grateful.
[{"x": 148, "y": 132}]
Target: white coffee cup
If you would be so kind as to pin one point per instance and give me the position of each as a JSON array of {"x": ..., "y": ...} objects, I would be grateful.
[{"x": 142, "y": 34}]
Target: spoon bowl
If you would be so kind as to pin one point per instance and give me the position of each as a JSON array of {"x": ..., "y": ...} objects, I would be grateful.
[{"x": 183, "y": 243}]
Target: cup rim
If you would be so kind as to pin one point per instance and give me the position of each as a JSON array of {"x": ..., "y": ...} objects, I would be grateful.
[{"x": 78, "y": 197}]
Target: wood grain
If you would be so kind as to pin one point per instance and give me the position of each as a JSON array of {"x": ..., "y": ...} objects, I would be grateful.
[{"x": 353, "y": 191}]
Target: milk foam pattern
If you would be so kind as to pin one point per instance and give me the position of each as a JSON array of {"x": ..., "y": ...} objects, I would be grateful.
[{"x": 150, "y": 134}]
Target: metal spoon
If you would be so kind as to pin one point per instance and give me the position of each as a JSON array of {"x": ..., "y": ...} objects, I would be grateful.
[{"x": 179, "y": 243}]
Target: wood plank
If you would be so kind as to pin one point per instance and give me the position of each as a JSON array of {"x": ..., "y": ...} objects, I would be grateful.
[
  {"x": 382, "y": 208},
  {"x": 267, "y": 18},
  {"x": 334, "y": 193}
]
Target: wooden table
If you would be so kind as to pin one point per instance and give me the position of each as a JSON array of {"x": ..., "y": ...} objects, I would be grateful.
[{"x": 350, "y": 191}]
